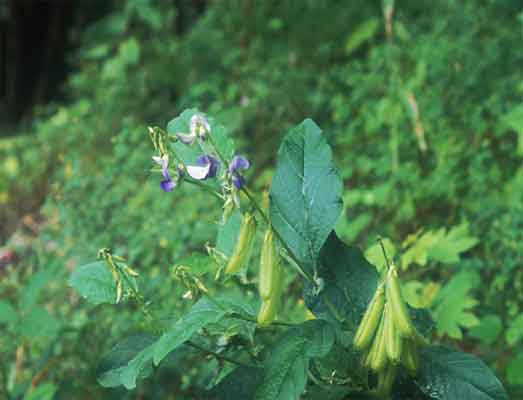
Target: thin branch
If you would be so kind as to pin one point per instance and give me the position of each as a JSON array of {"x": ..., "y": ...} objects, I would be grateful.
[{"x": 218, "y": 356}]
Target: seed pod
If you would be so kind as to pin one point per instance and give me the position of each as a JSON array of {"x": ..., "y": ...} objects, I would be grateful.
[
  {"x": 393, "y": 338},
  {"x": 270, "y": 267},
  {"x": 243, "y": 248},
  {"x": 131, "y": 271},
  {"x": 268, "y": 311},
  {"x": 386, "y": 380},
  {"x": 379, "y": 359},
  {"x": 370, "y": 320},
  {"x": 119, "y": 290},
  {"x": 410, "y": 357},
  {"x": 401, "y": 315}
]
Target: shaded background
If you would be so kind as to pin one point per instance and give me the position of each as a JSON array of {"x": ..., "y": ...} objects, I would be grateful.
[{"x": 422, "y": 106}]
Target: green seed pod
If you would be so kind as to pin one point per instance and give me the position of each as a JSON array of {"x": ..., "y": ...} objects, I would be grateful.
[
  {"x": 410, "y": 357},
  {"x": 386, "y": 380},
  {"x": 370, "y": 320},
  {"x": 379, "y": 359},
  {"x": 401, "y": 315},
  {"x": 268, "y": 311},
  {"x": 243, "y": 248},
  {"x": 270, "y": 266},
  {"x": 394, "y": 340}
]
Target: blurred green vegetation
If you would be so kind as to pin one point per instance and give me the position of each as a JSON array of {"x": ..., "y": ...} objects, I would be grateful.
[{"x": 423, "y": 110}]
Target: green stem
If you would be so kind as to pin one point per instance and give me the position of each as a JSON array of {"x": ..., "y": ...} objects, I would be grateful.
[
  {"x": 219, "y": 356},
  {"x": 294, "y": 262},
  {"x": 205, "y": 187},
  {"x": 384, "y": 252},
  {"x": 280, "y": 323}
]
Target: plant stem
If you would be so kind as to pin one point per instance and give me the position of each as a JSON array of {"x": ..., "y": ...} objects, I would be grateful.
[
  {"x": 205, "y": 187},
  {"x": 280, "y": 323},
  {"x": 219, "y": 356},
  {"x": 384, "y": 252}
]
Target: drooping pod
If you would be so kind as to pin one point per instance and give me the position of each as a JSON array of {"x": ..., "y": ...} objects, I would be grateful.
[
  {"x": 268, "y": 311},
  {"x": 270, "y": 266},
  {"x": 270, "y": 279},
  {"x": 242, "y": 250},
  {"x": 400, "y": 313},
  {"x": 410, "y": 357},
  {"x": 386, "y": 380},
  {"x": 394, "y": 341},
  {"x": 371, "y": 318},
  {"x": 379, "y": 358}
]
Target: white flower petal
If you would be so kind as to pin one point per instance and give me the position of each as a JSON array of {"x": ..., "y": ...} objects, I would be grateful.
[{"x": 197, "y": 172}]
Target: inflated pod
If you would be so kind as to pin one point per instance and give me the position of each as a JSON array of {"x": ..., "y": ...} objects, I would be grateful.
[
  {"x": 268, "y": 311},
  {"x": 270, "y": 266},
  {"x": 386, "y": 380},
  {"x": 410, "y": 357},
  {"x": 371, "y": 318},
  {"x": 399, "y": 309},
  {"x": 394, "y": 340},
  {"x": 242, "y": 250},
  {"x": 379, "y": 358}
]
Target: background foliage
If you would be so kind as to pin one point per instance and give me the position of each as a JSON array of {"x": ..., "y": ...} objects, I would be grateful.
[{"x": 424, "y": 115}]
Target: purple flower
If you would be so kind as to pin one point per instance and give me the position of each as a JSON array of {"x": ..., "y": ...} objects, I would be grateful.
[
  {"x": 168, "y": 184},
  {"x": 198, "y": 126},
  {"x": 206, "y": 167},
  {"x": 238, "y": 163}
]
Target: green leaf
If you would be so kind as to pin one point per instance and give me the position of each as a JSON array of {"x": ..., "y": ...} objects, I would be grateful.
[
  {"x": 514, "y": 118},
  {"x": 446, "y": 374},
  {"x": 45, "y": 391},
  {"x": 375, "y": 254},
  {"x": 454, "y": 303},
  {"x": 202, "y": 313},
  {"x": 228, "y": 234},
  {"x": 34, "y": 288},
  {"x": 129, "y": 51},
  {"x": 363, "y": 32},
  {"x": 95, "y": 283},
  {"x": 39, "y": 324},
  {"x": 128, "y": 361},
  {"x": 305, "y": 193},
  {"x": 286, "y": 366},
  {"x": 237, "y": 302},
  {"x": 331, "y": 392},
  {"x": 198, "y": 264},
  {"x": 349, "y": 283},
  {"x": 7, "y": 313},
  {"x": 488, "y": 329},
  {"x": 448, "y": 249},
  {"x": 514, "y": 368},
  {"x": 515, "y": 331},
  {"x": 241, "y": 383}
]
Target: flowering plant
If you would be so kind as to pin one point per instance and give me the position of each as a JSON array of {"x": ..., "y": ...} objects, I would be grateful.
[{"x": 357, "y": 339}]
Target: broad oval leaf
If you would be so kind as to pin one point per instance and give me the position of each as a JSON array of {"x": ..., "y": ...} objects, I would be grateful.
[
  {"x": 241, "y": 383},
  {"x": 94, "y": 282},
  {"x": 202, "y": 313},
  {"x": 286, "y": 366},
  {"x": 305, "y": 193},
  {"x": 128, "y": 361},
  {"x": 449, "y": 375}
]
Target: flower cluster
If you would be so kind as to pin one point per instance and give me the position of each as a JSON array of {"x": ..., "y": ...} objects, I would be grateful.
[{"x": 206, "y": 165}]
